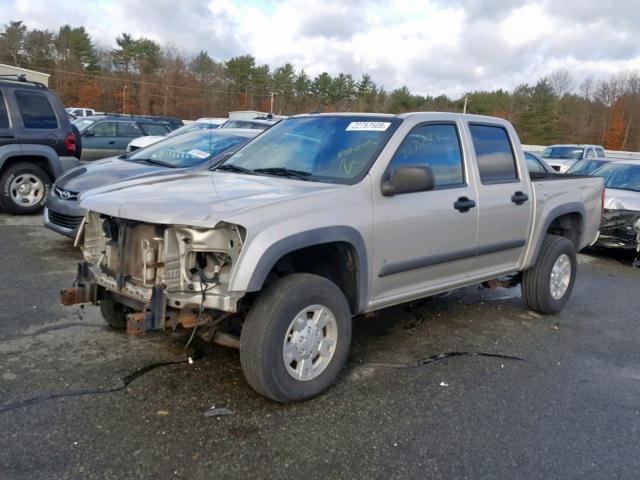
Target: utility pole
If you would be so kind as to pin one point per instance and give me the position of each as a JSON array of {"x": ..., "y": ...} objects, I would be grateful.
[
  {"x": 464, "y": 109},
  {"x": 271, "y": 107},
  {"x": 124, "y": 99}
]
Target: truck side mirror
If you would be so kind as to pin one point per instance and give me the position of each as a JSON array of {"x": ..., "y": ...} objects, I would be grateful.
[
  {"x": 408, "y": 179},
  {"x": 88, "y": 133}
]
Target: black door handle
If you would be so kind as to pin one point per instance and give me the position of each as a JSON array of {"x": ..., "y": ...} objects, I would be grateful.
[
  {"x": 112, "y": 142},
  {"x": 519, "y": 198},
  {"x": 464, "y": 204}
]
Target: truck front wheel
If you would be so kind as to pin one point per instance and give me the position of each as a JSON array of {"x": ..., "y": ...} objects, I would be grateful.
[
  {"x": 114, "y": 314},
  {"x": 296, "y": 338},
  {"x": 547, "y": 286}
]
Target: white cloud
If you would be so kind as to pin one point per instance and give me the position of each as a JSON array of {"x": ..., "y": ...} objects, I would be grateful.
[
  {"x": 527, "y": 24},
  {"x": 433, "y": 47}
]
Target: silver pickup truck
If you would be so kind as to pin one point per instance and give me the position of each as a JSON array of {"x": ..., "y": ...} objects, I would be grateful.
[{"x": 323, "y": 217}]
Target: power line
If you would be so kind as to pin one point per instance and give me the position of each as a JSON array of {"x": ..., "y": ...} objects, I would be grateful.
[{"x": 142, "y": 83}]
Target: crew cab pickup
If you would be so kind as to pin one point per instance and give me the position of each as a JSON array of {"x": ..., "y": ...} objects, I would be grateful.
[{"x": 323, "y": 217}]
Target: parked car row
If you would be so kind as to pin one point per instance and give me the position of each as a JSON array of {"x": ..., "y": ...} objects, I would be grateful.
[
  {"x": 108, "y": 135},
  {"x": 200, "y": 124},
  {"x": 39, "y": 142}
]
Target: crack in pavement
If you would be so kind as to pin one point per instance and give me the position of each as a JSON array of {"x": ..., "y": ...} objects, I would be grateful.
[
  {"x": 128, "y": 379},
  {"x": 125, "y": 382},
  {"x": 438, "y": 357},
  {"x": 51, "y": 328}
]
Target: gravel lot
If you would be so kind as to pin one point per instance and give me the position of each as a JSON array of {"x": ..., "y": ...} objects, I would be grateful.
[{"x": 561, "y": 403}]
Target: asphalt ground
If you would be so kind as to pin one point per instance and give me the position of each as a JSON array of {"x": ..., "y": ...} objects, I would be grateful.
[{"x": 467, "y": 385}]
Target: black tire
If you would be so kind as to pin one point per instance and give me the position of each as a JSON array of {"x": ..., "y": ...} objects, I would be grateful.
[
  {"x": 114, "y": 314},
  {"x": 9, "y": 175},
  {"x": 536, "y": 282},
  {"x": 265, "y": 328}
]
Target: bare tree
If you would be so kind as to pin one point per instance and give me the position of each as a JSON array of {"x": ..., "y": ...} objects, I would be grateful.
[{"x": 561, "y": 82}]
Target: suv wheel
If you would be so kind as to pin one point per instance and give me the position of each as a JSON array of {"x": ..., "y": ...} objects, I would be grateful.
[
  {"x": 296, "y": 338},
  {"x": 547, "y": 286},
  {"x": 24, "y": 188}
]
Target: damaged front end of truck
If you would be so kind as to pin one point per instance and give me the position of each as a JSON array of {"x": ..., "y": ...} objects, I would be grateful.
[
  {"x": 162, "y": 276},
  {"x": 621, "y": 229}
]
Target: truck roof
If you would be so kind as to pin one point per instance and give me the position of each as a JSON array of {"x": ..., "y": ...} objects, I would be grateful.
[{"x": 448, "y": 115}]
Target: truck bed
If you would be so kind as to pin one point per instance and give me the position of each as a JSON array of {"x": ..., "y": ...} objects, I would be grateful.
[{"x": 556, "y": 194}]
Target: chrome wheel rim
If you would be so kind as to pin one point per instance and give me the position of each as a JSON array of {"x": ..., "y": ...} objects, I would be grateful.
[
  {"x": 560, "y": 276},
  {"x": 310, "y": 342},
  {"x": 26, "y": 190}
]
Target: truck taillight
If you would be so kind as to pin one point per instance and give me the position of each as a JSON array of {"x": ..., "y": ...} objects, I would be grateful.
[{"x": 70, "y": 143}]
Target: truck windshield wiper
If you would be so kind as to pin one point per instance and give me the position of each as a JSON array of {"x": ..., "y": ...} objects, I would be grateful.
[
  {"x": 228, "y": 167},
  {"x": 285, "y": 172},
  {"x": 154, "y": 162}
]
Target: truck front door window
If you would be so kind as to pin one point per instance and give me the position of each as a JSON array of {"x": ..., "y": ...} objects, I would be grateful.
[{"x": 435, "y": 146}]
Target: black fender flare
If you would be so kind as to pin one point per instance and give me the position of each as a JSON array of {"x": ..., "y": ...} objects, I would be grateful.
[
  {"x": 310, "y": 238},
  {"x": 555, "y": 213}
]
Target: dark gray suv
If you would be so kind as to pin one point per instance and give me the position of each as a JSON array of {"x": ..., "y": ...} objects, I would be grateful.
[
  {"x": 37, "y": 143},
  {"x": 108, "y": 135}
]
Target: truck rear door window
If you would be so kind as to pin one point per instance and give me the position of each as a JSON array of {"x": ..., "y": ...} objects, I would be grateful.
[
  {"x": 4, "y": 118},
  {"x": 436, "y": 146},
  {"x": 36, "y": 111},
  {"x": 600, "y": 152},
  {"x": 496, "y": 161}
]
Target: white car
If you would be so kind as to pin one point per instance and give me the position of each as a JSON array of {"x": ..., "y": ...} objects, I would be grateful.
[
  {"x": 80, "y": 112},
  {"x": 212, "y": 120},
  {"x": 200, "y": 124},
  {"x": 562, "y": 157}
]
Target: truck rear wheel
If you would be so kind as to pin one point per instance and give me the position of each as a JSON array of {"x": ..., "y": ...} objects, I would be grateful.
[
  {"x": 296, "y": 338},
  {"x": 547, "y": 286},
  {"x": 114, "y": 314}
]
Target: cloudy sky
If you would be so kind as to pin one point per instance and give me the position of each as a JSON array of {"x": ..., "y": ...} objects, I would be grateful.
[{"x": 430, "y": 46}]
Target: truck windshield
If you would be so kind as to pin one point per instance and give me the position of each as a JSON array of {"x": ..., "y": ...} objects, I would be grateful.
[
  {"x": 574, "y": 153},
  {"x": 188, "y": 150},
  {"x": 621, "y": 176},
  {"x": 323, "y": 148}
]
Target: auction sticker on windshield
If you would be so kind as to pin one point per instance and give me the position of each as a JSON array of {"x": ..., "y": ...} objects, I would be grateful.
[
  {"x": 198, "y": 153},
  {"x": 368, "y": 126}
]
